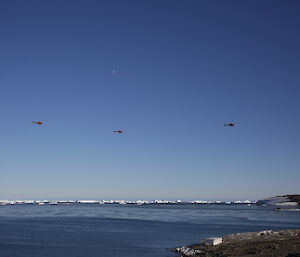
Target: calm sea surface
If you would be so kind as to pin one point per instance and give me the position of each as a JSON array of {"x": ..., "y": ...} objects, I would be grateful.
[{"x": 127, "y": 231}]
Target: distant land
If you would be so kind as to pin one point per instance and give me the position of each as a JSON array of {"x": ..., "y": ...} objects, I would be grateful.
[
  {"x": 283, "y": 200},
  {"x": 121, "y": 202}
]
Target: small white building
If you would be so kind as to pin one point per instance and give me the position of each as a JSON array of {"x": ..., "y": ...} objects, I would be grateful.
[{"x": 212, "y": 241}]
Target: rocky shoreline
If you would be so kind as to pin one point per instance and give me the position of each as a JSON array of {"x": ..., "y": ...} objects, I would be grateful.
[{"x": 285, "y": 243}]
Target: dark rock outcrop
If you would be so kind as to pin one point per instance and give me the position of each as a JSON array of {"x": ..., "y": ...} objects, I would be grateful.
[{"x": 269, "y": 243}]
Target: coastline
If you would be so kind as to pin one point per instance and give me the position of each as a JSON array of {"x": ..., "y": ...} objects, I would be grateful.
[{"x": 283, "y": 243}]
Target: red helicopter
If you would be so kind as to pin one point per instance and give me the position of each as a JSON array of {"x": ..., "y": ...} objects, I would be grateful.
[
  {"x": 119, "y": 131},
  {"x": 229, "y": 124},
  {"x": 37, "y": 122}
]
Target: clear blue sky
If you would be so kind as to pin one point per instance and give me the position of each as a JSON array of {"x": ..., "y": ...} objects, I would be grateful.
[{"x": 183, "y": 68}]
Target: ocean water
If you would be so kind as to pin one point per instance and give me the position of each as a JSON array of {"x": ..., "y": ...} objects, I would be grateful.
[{"x": 125, "y": 230}]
